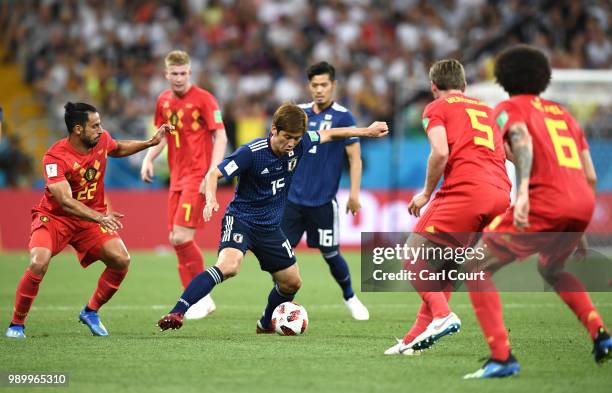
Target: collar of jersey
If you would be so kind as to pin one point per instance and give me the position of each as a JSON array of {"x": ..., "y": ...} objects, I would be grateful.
[{"x": 324, "y": 110}]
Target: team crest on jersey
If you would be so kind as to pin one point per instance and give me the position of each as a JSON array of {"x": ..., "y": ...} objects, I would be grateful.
[
  {"x": 173, "y": 119},
  {"x": 238, "y": 237},
  {"x": 292, "y": 164},
  {"x": 44, "y": 219},
  {"x": 90, "y": 173}
]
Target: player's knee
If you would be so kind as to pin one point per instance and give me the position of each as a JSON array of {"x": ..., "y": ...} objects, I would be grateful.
[
  {"x": 180, "y": 235},
  {"x": 549, "y": 275},
  {"x": 229, "y": 267},
  {"x": 119, "y": 261},
  {"x": 39, "y": 263},
  {"x": 175, "y": 238},
  {"x": 291, "y": 285}
]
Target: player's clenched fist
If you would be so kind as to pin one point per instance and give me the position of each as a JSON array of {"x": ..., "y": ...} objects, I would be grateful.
[{"x": 378, "y": 129}]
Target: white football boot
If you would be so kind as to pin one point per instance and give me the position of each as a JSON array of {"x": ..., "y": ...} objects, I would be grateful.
[
  {"x": 357, "y": 309},
  {"x": 201, "y": 309},
  {"x": 402, "y": 349},
  {"x": 437, "y": 329}
]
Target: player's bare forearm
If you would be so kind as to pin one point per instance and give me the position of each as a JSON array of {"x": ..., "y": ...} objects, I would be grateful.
[
  {"x": 522, "y": 150},
  {"x": 435, "y": 169},
  {"x": 437, "y": 158},
  {"x": 127, "y": 148},
  {"x": 156, "y": 150},
  {"x": 211, "y": 181},
  {"x": 210, "y": 192},
  {"x": 78, "y": 209},
  {"x": 589, "y": 168},
  {"x": 375, "y": 130},
  {"x": 62, "y": 193},
  {"x": 355, "y": 168},
  {"x": 219, "y": 147}
]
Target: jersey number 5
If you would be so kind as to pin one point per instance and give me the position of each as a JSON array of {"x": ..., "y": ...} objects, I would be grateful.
[
  {"x": 563, "y": 144},
  {"x": 486, "y": 141}
]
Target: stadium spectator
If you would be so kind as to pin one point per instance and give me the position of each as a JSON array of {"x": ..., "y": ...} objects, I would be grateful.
[{"x": 105, "y": 51}]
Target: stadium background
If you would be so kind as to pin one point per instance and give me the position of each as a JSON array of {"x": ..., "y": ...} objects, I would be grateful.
[{"x": 251, "y": 55}]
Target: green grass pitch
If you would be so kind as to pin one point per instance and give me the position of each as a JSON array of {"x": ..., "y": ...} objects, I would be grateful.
[{"x": 222, "y": 353}]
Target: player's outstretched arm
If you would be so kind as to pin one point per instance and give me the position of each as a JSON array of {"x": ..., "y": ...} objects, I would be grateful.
[
  {"x": 127, "y": 148},
  {"x": 435, "y": 168},
  {"x": 210, "y": 192},
  {"x": 522, "y": 150},
  {"x": 377, "y": 129},
  {"x": 62, "y": 193}
]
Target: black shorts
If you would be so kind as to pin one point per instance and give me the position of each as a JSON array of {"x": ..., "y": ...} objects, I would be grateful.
[
  {"x": 320, "y": 223},
  {"x": 271, "y": 248}
]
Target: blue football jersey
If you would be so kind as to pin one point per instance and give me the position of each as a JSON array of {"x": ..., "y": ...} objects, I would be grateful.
[
  {"x": 318, "y": 175},
  {"x": 263, "y": 180}
]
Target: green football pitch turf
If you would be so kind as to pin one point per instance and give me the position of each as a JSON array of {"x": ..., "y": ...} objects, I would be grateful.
[{"x": 222, "y": 353}]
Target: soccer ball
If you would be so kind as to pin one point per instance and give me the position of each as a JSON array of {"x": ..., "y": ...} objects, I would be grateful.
[{"x": 289, "y": 319}]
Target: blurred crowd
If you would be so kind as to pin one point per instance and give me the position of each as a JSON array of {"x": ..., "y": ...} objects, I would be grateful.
[{"x": 251, "y": 54}]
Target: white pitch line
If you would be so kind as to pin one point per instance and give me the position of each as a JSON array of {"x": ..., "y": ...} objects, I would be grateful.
[{"x": 319, "y": 306}]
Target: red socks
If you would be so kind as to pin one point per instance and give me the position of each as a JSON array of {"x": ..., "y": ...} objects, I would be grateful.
[
  {"x": 107, "y": 286},
  {"x": 26, "y": 293},
  {"x": 488, "y": 309},
  {"x": 437, "y": 303},
  {"x": 190, "y": 261},
  {"x": 571, "y": 290}
]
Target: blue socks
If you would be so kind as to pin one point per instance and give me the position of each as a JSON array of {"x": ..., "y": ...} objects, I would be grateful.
[
  {"x": 340, "y": 271},
  {"x": 200, "y": 286},
  {"x": 275, "y": 298}
]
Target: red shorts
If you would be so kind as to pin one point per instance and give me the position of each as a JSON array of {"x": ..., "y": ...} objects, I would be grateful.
[
  {"x": 185, "y": 208},
  {"x": 459, "y": 211},
  {"x": 55, "y": 234},
  {"x": 555, "y": 239}
]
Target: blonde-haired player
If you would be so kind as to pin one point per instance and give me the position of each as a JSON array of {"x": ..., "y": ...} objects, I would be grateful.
[{"x": 197, "y": 144}]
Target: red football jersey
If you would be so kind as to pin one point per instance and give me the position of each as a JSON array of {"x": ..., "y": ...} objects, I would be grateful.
[
  {"x": 476, "y": 151},
  {"x": 194, "y": 115},
  {"x": 558, "y": 185},
  {"x": 83, "y": 171}
]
